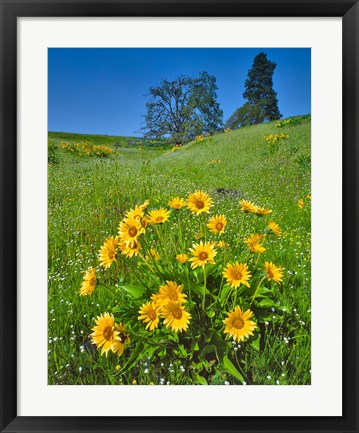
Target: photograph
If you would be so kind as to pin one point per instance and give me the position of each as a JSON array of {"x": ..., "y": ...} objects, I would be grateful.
[
  {"x": 178, "y": 194},
  {"x": 179, "y": 216}
]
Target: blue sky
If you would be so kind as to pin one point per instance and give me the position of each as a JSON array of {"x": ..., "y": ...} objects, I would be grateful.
[{"x": 104, "y": 91}]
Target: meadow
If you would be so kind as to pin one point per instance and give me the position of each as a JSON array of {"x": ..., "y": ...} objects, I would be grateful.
[{"x": 90, "y": 192}]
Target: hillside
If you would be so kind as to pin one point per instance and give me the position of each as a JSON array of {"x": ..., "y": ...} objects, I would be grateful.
[
  {"x": 89, "y": 196},
  {"x": 103, "y": 140}
]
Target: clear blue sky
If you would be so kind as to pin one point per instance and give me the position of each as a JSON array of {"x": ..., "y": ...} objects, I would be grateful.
[{"x": 104, "y": 91}]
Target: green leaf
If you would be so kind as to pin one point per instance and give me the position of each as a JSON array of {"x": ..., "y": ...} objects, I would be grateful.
[
  {"x": 195, "y": 347},
  {"x": 211, "y": 313},
  {"x": 153, "y": 350},
  {"x": 221, "y": 344},
  {"x": 162, "y": 353},
  {"x": 134, "y": 291},
  {"x": 224, "y": 292},
  {"x": 263, "y": 291},
  {"x": 267, "y": 303},
  {"x": 173, "y": 337},
  {"x": 182, "y": 350},
  {"x": 135, "y": 355},
  {"x": 201, "y": 380},
  {"x": 256, "y": 343},
  {"x": 231, "y": 369}
]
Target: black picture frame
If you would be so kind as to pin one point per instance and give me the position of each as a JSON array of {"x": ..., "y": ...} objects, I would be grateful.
[{"x": 10, "y": 10}]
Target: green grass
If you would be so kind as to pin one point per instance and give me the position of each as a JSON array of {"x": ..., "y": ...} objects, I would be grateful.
[
  {"x": 105, "y": 140},
  {"x": 87, "y": 197}
]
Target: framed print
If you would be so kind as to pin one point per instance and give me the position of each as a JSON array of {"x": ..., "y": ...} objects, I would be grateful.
[{"x": 179, "y": 216}]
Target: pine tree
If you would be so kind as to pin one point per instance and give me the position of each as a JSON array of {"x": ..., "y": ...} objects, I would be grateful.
[{"x": 259, "y": 87}]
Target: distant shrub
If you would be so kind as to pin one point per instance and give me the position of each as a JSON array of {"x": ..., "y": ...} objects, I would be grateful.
[
  {"x": 285, "y": 122},
  {"x": 291, "y": 121},
  {"x": 52, "y": 153}
]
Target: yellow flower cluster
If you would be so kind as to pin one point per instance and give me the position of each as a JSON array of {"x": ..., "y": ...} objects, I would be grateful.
[
  {"x": 166, "y": 304},
  {"x": 109, "y": 335},
  {"x": 214, "y": 161},
  {"x": 301, "y": 202},
  {"x": 255, "y": 243},
  {"x": 169, "y": 305},
  {"x": 85, "y": 148},
  {"x": 249, "y": 207},
  {"x": 282, "y": 123},
  {"x": 273, "y": 138}
]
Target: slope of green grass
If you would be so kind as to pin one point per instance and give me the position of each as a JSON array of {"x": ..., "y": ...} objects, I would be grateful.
[
  {"x": 105, "y": 140},
  {"x": 88, "y": 198}
]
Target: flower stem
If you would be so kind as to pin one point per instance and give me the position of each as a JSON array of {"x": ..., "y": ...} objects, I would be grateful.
[
  {"x": 257, "y": 260},
  {"x": 235, "y": 297},
  {"x": 203, "y": 227},
  {"x": 180, "y": 238},
  {"x": 134, "y": 271},
  {"x": 152, "y": 259},
  {"x": 255, "y": 293},
  {"x": 240, "y": 228},
  {"x": 204, "y": 288},
  {"x": 160, "y": 243},
  {"x": 227, "y": 297},
  {"x": 189, "y": 284},
  {"x": 108, "y": 288}
]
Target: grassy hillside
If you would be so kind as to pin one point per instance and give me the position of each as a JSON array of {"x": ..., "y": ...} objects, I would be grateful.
[
  {"x": 105, "y": 140},
  {"x": 89, "y": 196}
]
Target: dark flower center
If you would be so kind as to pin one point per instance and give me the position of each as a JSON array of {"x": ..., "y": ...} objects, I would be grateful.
[
  {"x": 203, "y": 255},
  {"x": 200, "y": 204},
  {"x": 152, "y": 315},
  {"x": 173, "y": 296},
  {"x": 238, "y": 323},
  {"x": 219, "y": 226},
  {"x": 107, "y": 333},
  {"x": 177, "y": 313},
  {"x": 132, "y": 232},
  {"x": 237, "y": 275}
]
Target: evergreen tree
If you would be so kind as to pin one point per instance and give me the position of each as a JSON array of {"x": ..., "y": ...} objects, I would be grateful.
[{"x": 259, "y": 87}]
